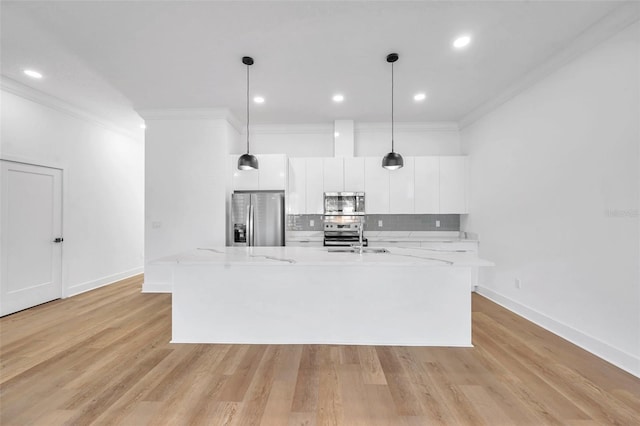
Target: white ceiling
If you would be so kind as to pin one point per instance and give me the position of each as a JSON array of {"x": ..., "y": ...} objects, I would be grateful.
[{"x": 112, "y": 57}]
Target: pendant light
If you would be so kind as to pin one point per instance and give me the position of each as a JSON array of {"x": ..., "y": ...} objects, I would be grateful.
[
  {"x": 393, "y": 160},
  {"x": 247, "y": 161}
]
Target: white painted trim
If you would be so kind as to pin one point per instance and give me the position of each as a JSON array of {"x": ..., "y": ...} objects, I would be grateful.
[
  {"x": 157, "y": 287},
  {"x": 26, "y": 92},
  {"x": 270, "y": 129},
  {"x": 408, "y": 127},
  {"x": 192, "y": 114},
  {"x": 32, "y": 161},
  {"x": 101, "y": 282},
  {"x": 617, "y": 357},
  {"x": 620, "y": 18},
  {"x": 287, "y": 129}
]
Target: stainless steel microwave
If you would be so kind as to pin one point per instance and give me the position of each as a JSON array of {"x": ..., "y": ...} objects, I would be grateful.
[{"x": 344, "y": 203}]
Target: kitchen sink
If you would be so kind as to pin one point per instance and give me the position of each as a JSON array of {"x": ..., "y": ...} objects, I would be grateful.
[{"x": 356, "y": 250}]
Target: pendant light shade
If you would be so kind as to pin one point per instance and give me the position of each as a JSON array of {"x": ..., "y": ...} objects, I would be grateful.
[
  {"x": 393, "y": 160},
  {"x": 247, "y": 161}
]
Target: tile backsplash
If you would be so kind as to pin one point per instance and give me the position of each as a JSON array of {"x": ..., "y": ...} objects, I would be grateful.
[{"x": 390, "y": 222}]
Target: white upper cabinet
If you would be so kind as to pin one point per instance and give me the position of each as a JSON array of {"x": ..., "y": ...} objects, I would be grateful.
[
  {"x": 333, "y": 174},
  {"x": 271, "y": 174},
  {"x": 243, "y": 179},
  {"x": 453, "y": 185},
  {"x": 314, "y": 186},
  {"x": 376, "y": 186},
  {"x": 297, "y": 186},
  {"x": 427, "y": 185},
  {"x": 401, "y": 188},
  {"x": 354, "y": 174}
]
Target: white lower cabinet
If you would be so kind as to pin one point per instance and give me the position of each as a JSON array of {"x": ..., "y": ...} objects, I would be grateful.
[
  {"x": 387, "y": 244},
  {"x": 470, "y": 246},
  {"x": 304, "y": 243}
]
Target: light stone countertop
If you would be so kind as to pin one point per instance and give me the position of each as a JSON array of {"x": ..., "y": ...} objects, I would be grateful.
[
  {"x": 396, "y": 236},
  {"x": 305, "y": 256}
]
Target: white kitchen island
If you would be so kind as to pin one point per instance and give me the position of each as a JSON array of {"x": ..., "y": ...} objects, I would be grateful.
[{"x": 300, "y": 295}]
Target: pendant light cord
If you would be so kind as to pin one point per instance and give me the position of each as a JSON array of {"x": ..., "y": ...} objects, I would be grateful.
[
  {"x": 247, "y": 109},
  {"x": 392, "y": 143}
]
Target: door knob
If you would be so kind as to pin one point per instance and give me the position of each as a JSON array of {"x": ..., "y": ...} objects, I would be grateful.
[{"x": 58, "y": 240}]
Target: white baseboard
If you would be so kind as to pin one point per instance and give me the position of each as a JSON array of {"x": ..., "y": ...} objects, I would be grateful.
[
  {"x": 157, "y": 287},
  {"x": 101, "y": 282},
  {"x": 621, "y": 359}
]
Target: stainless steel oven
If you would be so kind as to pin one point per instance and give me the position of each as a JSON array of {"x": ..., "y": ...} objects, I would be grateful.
[{"x": 344, "y": 231}]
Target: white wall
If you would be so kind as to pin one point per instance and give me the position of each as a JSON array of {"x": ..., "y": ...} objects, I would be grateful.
[
  {"x": 186, "y": 187},
  {"x": 554, "y": 198},
  {"x": 103, "y": 186},
  {"x": 371, "y": 139}
]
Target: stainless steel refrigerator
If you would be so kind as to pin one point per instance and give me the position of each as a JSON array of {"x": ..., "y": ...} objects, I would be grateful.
[{"x": 257, "y": 218}]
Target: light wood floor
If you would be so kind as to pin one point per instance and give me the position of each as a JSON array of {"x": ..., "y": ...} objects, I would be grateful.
[{"x": 104, "y": 358}]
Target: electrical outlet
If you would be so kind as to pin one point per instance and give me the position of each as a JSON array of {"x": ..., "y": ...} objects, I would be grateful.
[
  {"x": 437, "y": 224},
  {"x": 379, "y": 224},
  {"x": 312, "y": 222},
  {"x": 518, "y": 284}
]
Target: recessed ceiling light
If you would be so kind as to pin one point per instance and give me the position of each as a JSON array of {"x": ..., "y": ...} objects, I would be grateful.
[
  {"x": 419, "y": 97},
  {"x": 258, "y": 99},
  {"x": 338, "y": 98},
  {"x": 461, "y": 41},
  {"x": 33, "y": 74}
]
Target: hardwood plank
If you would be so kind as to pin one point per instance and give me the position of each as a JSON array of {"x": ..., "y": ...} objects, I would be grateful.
[{"x": 104, "y": 357}]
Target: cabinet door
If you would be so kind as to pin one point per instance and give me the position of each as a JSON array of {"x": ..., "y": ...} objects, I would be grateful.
[
  {"x": 273, "y": 172},
  {"x": 314, "y": 186},
  {"x": 297, "y": 186},
  {"x": 376, "y": 186},
  {"x": 401, "y": 188},
  {"x": 354, "y": 174},
  {"x": 453, "y": 185},
  {"x": 333, "y": 174},
  {"x": 243, "y": 179},
  {"x": 427, "y": 185}
]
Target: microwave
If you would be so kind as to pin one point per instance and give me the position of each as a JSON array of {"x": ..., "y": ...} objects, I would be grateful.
[{"x": 344, "y": 203}]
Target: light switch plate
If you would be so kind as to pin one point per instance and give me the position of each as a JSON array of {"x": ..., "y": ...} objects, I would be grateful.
[
  {"x": 379, "y": 224},
  {"x": 437, "y": 224}
]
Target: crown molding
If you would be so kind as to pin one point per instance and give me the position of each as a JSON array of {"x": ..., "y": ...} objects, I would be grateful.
[
  {"x": 191, "y": 114},
  {"x": 408, "y": 127},
  {"x": 9, "y": 85},
  {"x": 298, "y": 129},
  {"x": 620, "y": 18}
]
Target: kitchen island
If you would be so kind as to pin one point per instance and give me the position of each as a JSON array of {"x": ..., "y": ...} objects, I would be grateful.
[{"x": 309, "y": 295}]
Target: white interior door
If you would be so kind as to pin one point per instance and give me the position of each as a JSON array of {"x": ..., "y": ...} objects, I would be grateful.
[{"x": 30, "y": 224}]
